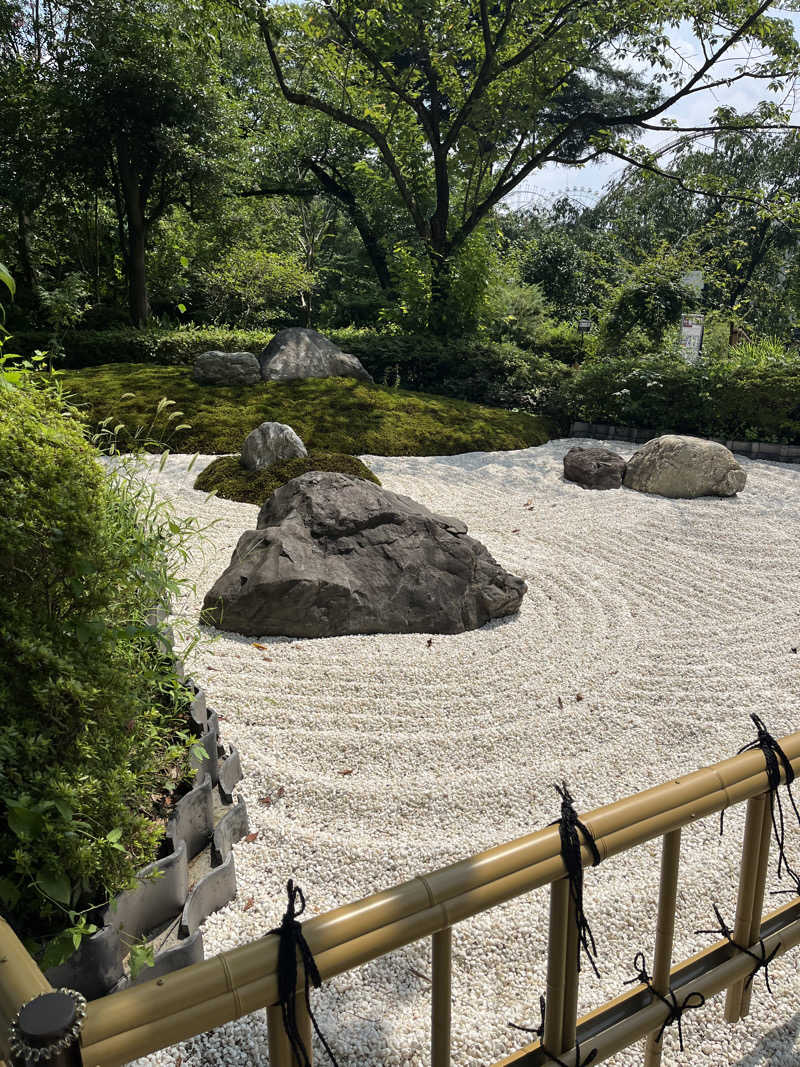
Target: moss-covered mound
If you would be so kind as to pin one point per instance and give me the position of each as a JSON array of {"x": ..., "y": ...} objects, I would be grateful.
[
  {"x": 330, "y": 414},
  {"x": 232, "y": 481}
]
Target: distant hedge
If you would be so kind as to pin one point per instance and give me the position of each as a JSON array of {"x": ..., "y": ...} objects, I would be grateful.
[
  {"x": 93, "y": 348},
  {"x": 740, "y": 395},
  {"x": 497, "y": 373}
]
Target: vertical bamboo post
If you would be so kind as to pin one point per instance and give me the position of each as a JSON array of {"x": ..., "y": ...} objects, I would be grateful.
[
  {"x": 280, "y": 1051},
  {"x": 571, "y": 976},
  {"x": 758, "y": 896},
  {"x": 441, "y": 1001},
  {"x": 556, "y": 966},
  {"x": 665, "y": 932},
  {"x": 748, "y": 877}
]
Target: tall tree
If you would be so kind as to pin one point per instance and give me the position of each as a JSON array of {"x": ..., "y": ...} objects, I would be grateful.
[
  {"x": 463, "y": 101},
  {"x": 152, "y": 100}
]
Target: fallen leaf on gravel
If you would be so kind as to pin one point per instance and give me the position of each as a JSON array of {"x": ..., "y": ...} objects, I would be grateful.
[
  {"x": 179, "y": 1061},
  {"x": 266, "y": 801},
  {"x": 213, "y": 668},
  {"x": 248, "y": 904},
  {"x": 267, "y": 658},
  {"x": 579, "y": 696},
  {"x": 250, "y": 838},
  {"x": 515, "y": 531},
  {"x": 264, "y": 648},
  {"x": 345, "y": 772},
  {"x": 281, "y": 793},
  {"x": 561, "y": 703},
  {"x": 419, "y": 974}
]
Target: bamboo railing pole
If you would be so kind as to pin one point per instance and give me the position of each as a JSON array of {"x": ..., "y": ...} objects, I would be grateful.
[
  {"x": 20, "y": 981},
  {"x": 152, "y": 1034},
  {"x": 748, "y": 875},
  {"x": 632, "y": 1027},
  {"x": 441, "y": 996},
  {"x": 758, "y": 896},
  {"x": 571, "y": 978},
  {"x": 280, "y": 1051},
  {"x": 665, "y": 932},
  {"x": 353, "y": 934},
  {"x": 558, "y": 936}
]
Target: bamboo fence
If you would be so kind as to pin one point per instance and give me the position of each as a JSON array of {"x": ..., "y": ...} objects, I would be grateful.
[{"x": 178, "y": 1006}]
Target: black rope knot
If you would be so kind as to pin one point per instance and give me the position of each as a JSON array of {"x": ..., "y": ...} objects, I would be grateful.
[
  {"x": 568, "y": 826},
  {"x": 676, "y": 1008},
  {"x": 539, "y": 1031},
  {"x": 775, "y": 758},
  {"x": 292, "y": 941},
  {"x": 762, "y": 961}
]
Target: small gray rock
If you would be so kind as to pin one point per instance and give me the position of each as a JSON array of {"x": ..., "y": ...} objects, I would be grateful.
[
  {"x": 298, "y": 352},
  {"x": 269, "y": 443},
  {"x": 227, "y": 368},
  {"x": 594, "y": 468},
  {"x": 684, "y": 468},
  {"x": 336, "y": 555}
]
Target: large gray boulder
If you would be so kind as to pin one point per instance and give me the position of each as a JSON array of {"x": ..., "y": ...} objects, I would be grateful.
[
  {"x": 298, "y": 352},
  {"x": 594, "y": 468},
  {"x": 338, "y": 555},
  {"x": 684, "y": 467},
  {"x": 270, "y": 443},
  {"x": 227, "y": 368}
]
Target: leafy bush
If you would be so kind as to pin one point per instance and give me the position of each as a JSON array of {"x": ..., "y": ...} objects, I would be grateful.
[
  {"x": 251, "y": 286},
  {"x": 481, "y": 371},
  {"x": 91, "y": 348},
  {"x": 747, "y": 393},
  {"x": 93, "y": 717},
  {"x": 229, "y": 479}
]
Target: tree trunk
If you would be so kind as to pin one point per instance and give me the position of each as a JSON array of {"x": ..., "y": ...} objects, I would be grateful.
[
  {"x": 134, "y": 192},
  {"x": 137, "y": 275},
  {"x": 30, "y": 278},
  {"x": 440, "y": 292}
]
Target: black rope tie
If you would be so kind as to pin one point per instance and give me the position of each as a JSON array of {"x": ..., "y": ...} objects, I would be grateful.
[
  {"x": 762, "y": 962},
  {"x": 676, "y": 1008},
  {"x": 539, "y": 1031},
  {"x": 291, "y": 935},
  {"x": 773, "y": 753},
  {"x": 568, "y": 826}
]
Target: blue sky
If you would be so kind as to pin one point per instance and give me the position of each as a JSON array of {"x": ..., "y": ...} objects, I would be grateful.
[{"x": 553, "y": 181}]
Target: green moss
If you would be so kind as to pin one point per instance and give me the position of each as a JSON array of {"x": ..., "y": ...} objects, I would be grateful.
[
  {"x": 232, "y": 481},
  {"x": 330, "y": 414}
]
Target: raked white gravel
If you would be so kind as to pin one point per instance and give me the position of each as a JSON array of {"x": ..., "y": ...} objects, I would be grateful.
[{"x": 659, "y": 625}]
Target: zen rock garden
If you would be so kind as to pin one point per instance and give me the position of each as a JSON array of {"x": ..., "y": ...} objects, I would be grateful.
[{"x": 672, "y": 465}]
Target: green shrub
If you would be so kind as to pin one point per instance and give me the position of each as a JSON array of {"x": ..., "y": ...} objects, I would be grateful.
[
  {"x": 329, "y": 414},
  {"x": 93, "y": 716},
  {"x": 229, "y": 479},
  {"x": 484, "y": 371},
  {"x": 91, "y": 348},
  {"x": 746, "y": 393},
  {"x": 481, "y": 371}
]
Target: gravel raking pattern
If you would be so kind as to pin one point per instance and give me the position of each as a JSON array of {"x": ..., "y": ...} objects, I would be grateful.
[{"x": 651, "y": 629}]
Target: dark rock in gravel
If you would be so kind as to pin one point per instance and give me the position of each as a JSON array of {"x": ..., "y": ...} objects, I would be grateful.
[
  {"x": 337, "y": 555},
  {"x": 594, "y": 468}
]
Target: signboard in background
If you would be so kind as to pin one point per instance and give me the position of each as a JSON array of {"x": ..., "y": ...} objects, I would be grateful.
[{"x": 692, "y": 336}]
